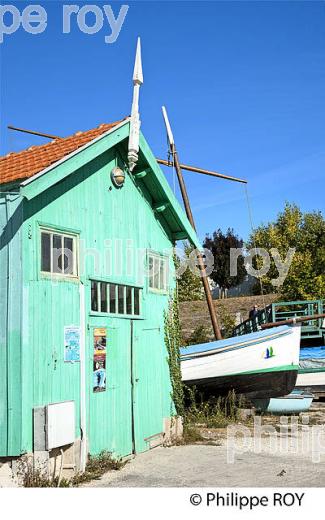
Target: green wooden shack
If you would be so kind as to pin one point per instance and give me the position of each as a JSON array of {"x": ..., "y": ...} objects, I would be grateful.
[
  {"x": 87, "y": 229},
  {"x": 86, "y": 275}
]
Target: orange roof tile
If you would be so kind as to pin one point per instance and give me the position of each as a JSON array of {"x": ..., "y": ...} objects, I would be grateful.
[{"x": 21, "y": 165}]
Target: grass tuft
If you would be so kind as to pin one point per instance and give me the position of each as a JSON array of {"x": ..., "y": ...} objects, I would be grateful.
[{"x": 95, "y": 468}]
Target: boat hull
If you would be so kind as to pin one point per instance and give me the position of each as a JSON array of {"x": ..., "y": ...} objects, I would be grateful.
[
  {"x": 294, "y": 403},
  {"x": 268, "y": 384},
  {"x": 245, "y": 365},
  {"x": 311, "y": 380}
]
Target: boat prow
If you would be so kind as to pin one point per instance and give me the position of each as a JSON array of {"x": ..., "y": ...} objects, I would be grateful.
[{"x": 262, "y": 364}]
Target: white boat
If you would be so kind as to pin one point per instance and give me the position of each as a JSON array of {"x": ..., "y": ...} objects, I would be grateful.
[
  {"x": 262, "y": 364},
  {"x": 312, "y": 380},
  {"x": 297, "y": 402},
  {"x": 311, "y": 374}
]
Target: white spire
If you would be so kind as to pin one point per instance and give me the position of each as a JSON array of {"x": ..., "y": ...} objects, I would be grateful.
[
  {"x": 135, "y": 122},
  {"x": 137, "y": 73},
  {"x": 168, "y": 128}
]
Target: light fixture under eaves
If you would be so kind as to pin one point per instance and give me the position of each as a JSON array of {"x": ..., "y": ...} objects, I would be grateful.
[{"x": 118, "y": 177}]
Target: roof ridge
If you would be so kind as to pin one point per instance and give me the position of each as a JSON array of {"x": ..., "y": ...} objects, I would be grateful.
[
  {"x": 26, "y": 163},
  {"x": 60, "y": 139}
]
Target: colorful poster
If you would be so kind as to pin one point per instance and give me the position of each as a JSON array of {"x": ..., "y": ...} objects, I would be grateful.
[
  {"x": 71, "y": 343},
  {"x": 99, "y": 374}
]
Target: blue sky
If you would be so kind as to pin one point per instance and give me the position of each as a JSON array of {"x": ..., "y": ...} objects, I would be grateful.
[{"x": 243, "y": 82}]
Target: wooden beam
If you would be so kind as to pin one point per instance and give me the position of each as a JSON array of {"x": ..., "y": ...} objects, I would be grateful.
[
  {"x": 201, "y": 170},
  {"x": 33, "y": 132},
  {"x": 160, "y": 206},
  {"x": 142, "y": 174}
]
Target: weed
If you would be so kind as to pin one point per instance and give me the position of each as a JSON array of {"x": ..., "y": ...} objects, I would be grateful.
[
  {"x": 191, "y": 434},
  {"x": 215, "y": 412},
  {"x": 96, "y": 466}
]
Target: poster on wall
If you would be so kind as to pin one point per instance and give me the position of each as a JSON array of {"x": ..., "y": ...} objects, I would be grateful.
[
  {"x": 99, "y": 374},
  {"x": 71, "y": 343}
]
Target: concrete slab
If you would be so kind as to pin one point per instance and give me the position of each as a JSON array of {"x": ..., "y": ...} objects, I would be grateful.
[{"x": 6, "y": 476}]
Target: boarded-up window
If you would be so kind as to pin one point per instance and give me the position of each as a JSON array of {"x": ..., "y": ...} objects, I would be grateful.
[{"x": 110, "y": 298}]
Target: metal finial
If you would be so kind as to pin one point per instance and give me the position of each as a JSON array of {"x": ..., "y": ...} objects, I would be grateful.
[
  {"x": 137, "y": 72},
  {"x": 135, "y": 123}
]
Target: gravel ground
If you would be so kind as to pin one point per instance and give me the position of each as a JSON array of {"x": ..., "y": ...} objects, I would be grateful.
[
  {"x": 292, "y": 455},
  {"x": 206, "y": 465}
]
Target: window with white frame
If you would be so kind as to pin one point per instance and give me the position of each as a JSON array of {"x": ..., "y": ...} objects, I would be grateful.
[
  {"x": 58, "y": 253},
  {"x": 114, "y": 298},
  {"x": 157, "y": 272}
]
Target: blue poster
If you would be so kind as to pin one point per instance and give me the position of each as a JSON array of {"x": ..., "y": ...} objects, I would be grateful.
[{"x": 71, "y": 343}]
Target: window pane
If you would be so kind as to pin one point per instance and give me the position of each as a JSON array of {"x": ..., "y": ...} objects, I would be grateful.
[
  {"x": 162, "y": 275},
  {"x": 94, "y": 296},
  {"x": 136, "y": 301},
  {"x": 128, "y": 300},
  {"x": 103, "y": 297},
  {"x": 57, "y": 254},
  {"x": 150, "y": 272},
  {"x": 121, "y": 299},
  {"x": 68, "y": 255},
  {"x": 46, "y": 252},
  {"x": 156, "y": 274},
  {"x": 112, "y": 298}
]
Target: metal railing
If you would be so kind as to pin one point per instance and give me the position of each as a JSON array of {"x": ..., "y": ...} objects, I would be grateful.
[{"x": 287, "y": 310}]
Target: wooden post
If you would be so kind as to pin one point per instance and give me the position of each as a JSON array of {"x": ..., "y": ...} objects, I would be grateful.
[{"x": 212, "y": 311}]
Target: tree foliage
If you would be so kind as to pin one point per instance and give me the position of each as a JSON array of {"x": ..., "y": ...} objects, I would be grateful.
[
  {"x": 189, "y": 284},
  {"x": 306, "y": 233},
  {"x": 220, "y": 245}
]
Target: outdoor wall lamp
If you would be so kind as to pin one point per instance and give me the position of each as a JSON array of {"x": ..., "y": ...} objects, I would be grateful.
[{"x": 118, "y": 177}]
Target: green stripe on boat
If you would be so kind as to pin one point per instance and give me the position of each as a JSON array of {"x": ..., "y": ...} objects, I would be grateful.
[{"x": 272, "y": 369}]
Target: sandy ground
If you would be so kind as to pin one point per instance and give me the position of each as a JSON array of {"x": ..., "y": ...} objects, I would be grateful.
[{"x": 285, "y": 455}]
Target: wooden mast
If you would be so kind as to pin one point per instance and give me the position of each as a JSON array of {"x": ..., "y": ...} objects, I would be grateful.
[{"x": 212, "y": 311}]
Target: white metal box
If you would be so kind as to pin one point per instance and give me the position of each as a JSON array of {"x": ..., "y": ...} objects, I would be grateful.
[{"x": 60, "y": 424}]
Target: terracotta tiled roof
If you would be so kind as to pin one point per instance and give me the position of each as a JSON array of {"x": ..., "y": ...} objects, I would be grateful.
[{"x": 21, "y": 165}]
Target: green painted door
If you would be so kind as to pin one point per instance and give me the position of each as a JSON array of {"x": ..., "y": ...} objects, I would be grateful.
[
  {"x": 127, "y": 415},
  {"x": 110, "y": 405},
  {"x": 149, "y": 390}
]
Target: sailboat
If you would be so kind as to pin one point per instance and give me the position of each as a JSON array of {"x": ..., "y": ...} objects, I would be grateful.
[{"x": 261, "y": 364}]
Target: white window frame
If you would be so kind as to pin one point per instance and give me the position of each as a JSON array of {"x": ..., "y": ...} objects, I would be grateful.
[
  {"x": 162, "y": 288},
  {"x": 63, "y": 235}
]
